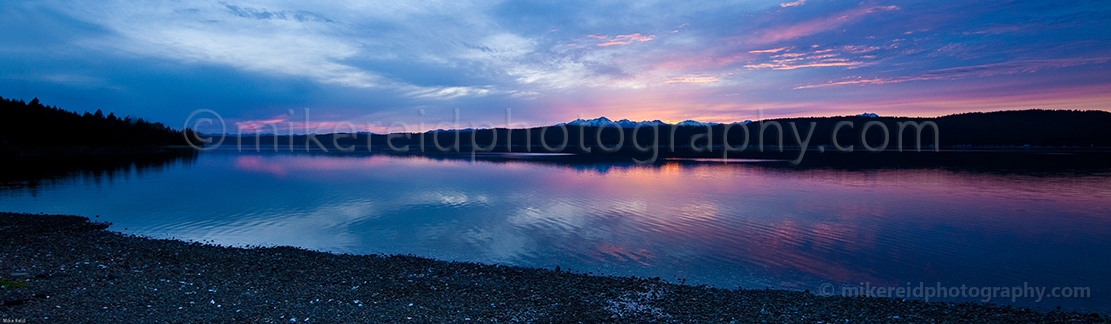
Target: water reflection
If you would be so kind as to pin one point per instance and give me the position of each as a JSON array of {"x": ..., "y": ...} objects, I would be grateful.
[
  {"x": 30, "y": 170},
  {"x": 728, "y": 225}
]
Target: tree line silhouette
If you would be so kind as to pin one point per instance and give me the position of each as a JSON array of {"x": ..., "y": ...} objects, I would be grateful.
[
  {"x": 32, "y": 124},
  {"x": 1046, "y": 129},
  {"x": 1028, "y": 138}
]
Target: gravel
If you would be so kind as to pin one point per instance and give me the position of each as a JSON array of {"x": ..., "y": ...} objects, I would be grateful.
[{"x": 68, "y": 269}]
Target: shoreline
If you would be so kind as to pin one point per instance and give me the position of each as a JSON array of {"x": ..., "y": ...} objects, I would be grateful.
[{"x": 75, "y": 270}]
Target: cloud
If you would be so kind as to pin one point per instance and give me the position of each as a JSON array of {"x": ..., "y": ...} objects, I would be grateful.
[
  {"x": 383, "y": 60},
  {"x": 677, "y": 29},
  {"x": 994, "y": 30},
  {"x": 695, "y": 78},
  {"x": 859, "y": 49},
  {"x": 792, "y": 3},
  {"x": 627, "y": 39},
  {"x": 816, "y": 26},
  {"x": 294, "y": 54},
  {"x": 773, "y": 50},
  {"x": 450, "y": 92},
  {"x": 281, "y": 41},
  {"x": 785, "y": 66},
  {"x": 254, "y": 13},
  {"x": 962, "y": 72},
  {"x": 814, "y": 58},
  {"x": 276, "y": 42}
]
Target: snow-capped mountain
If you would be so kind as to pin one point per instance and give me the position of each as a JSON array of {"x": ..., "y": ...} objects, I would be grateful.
[
  {"x": 603, "y": 121},
  {"x": 689, "y": 122},
  {"x": 625, "y": 123}
]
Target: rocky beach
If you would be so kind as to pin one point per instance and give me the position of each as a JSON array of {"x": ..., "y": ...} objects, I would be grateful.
[{"x": 68, "y": 269}]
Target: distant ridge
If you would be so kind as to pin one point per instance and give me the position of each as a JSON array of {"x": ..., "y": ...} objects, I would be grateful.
[
  {"x": 1019, "y": 128},
  {"x": 625, "y": 123},
  {"x": 1035, "y": 127},
  {"x": 991, "y": 130}
]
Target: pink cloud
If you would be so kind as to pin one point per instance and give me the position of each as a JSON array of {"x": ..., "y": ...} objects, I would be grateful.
[
  {"x": 256, "y": 124},
  {"x": 679, "y": 63},
  {"x": 859, "y": 49},
  {"x": 717, "y": 104},
  {"x": 777, "y": 66},
  {"x": 983, "y": 70},
  {"x": 696, "y": 78},
  {"x": 814, "y": 58},
  {"x": 627, "y": 39},
  {"x": 773, "y": 50},
  {"x": 788, "y": 55},
  {"x": 817, "y": 25},
  {"x": 927, "y": 105}
]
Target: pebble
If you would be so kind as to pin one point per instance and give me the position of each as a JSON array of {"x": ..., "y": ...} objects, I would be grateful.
[{"x": 264, "y": 282}]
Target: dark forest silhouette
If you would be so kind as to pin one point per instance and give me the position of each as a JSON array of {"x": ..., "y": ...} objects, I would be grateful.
[
  {"x": 1027, "y": 129},
  {"x": 1028, "y": 138},
  {"x": 32, "y": 124},
  {"x": 1085, "y": 135},
  {"x": 44, "y": 144}
]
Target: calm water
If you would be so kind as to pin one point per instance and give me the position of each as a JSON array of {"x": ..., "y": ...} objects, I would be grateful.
[{"x": 725, "y": 225}]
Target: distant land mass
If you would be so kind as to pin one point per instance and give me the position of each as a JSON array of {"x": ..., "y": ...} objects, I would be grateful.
[
  {"x": 820, "y": 140},
  {"x": 1058, "y": 129},
  {"x": 1027, "y": 139}
]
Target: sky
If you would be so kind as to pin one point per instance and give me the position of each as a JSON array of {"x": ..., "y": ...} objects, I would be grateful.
[{"x": 388, "y": 65}]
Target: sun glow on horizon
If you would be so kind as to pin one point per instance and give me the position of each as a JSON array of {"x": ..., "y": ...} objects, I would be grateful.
[{"x": 792, "y": 59}]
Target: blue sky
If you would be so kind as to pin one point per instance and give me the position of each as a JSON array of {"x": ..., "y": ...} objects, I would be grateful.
[{"x": 379, "y": 63}]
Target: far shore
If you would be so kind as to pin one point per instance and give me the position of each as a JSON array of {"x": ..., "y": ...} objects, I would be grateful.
[{"x": 68, "y": 269}]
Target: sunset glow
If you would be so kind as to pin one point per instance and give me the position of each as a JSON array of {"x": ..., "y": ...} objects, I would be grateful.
[{"x": 374, "y": 64}]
